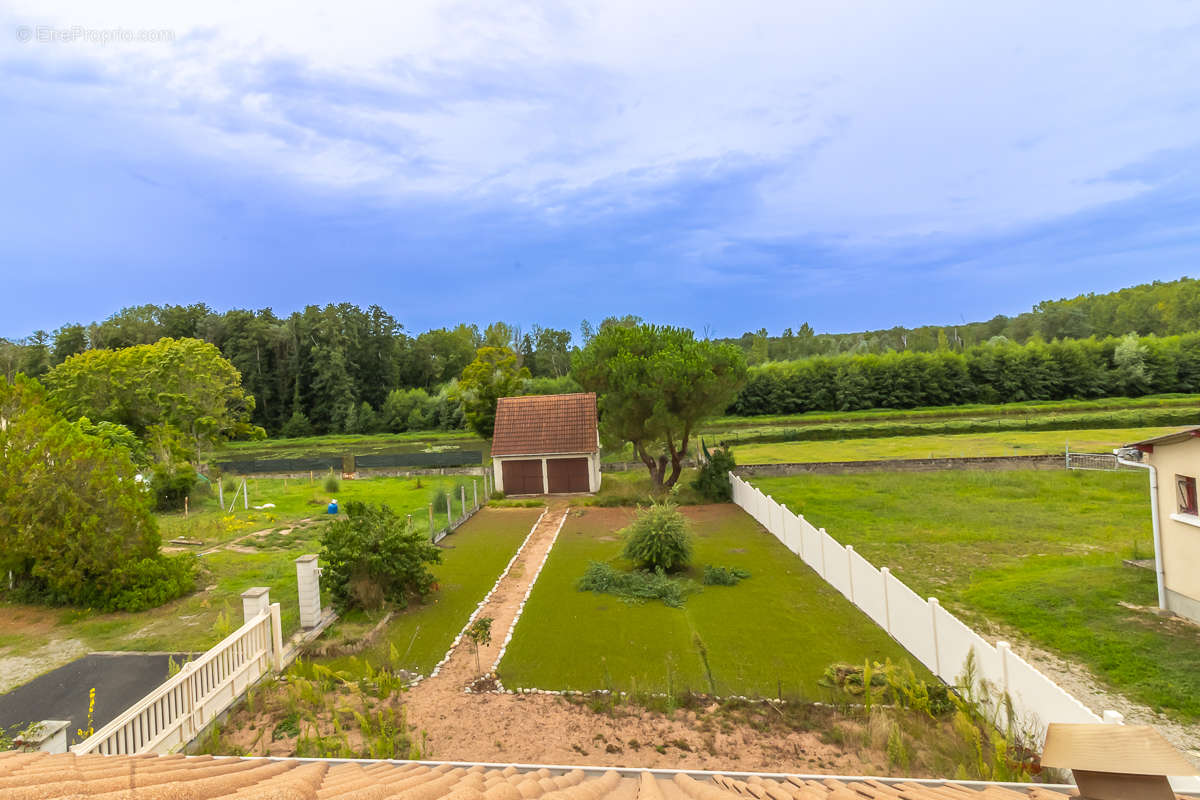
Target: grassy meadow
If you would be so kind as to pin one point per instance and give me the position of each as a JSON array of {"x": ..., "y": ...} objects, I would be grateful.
[
  {"x": 965, "y": 445},
  {"x": 1039, "y": 553},
  {"x": 472, "y": 559},
  {"x": 777, "y": 630}
]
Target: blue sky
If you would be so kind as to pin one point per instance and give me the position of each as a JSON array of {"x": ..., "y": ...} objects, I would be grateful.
[{"x": 725, "y": 166}]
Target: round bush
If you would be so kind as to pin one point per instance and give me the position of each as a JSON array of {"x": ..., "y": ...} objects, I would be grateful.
[{"x": 659, "y": 538}]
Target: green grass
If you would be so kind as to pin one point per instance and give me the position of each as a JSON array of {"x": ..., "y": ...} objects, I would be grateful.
[
  {"x": 472, "y": 559},
  {"x": 1009, "y": 443},
  {"x": 777, "y": 629},
  {"x": 295, "y": 500},
  {"x": 1038, "y": 552},
  {"x": 633, "y": 487}
]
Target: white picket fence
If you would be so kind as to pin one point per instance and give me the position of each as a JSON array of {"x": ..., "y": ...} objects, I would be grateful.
[
  {"x": 173, "y": 714},
  {"x": 933, "y": 635}
]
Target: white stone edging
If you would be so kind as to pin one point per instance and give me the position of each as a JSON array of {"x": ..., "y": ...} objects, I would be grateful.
[{"x": 479, "y": 606}]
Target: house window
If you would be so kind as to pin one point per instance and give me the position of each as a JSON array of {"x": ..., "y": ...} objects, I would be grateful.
[{"x": 1185, "y": 494}]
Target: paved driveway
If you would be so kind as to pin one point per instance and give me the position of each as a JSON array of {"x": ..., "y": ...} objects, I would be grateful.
[{"x": 120, "y": 680}]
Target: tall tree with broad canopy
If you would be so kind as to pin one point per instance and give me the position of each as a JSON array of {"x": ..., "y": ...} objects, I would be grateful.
[
  {"x": 178, "y": 394},
  {"x": 493, "y": 374},
  {"x": 655, "y": 385}
]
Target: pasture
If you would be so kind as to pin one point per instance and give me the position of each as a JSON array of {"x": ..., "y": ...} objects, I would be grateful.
[
  {"x": 1038, "y": 553},
  {"x": 775, "y": 631}
]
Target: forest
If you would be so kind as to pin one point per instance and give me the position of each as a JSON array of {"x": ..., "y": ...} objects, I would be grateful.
[{"x": 342, "y": 368}]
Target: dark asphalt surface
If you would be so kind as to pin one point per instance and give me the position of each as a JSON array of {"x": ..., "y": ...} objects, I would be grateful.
[{"x": 120, "y": 681}]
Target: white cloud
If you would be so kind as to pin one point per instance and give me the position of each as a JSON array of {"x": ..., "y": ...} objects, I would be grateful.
[{"x": 879, "y": 120}]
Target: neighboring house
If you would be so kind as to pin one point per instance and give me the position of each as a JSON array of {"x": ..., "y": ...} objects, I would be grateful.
[
  {"x": 546, "y": 444},
  {"x": 1174, "y": 462}
]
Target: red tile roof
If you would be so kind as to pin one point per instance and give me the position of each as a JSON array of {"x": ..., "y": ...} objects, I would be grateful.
[
  {"x": 37, "y": 776},
  {"x": 546, "y": 423}
]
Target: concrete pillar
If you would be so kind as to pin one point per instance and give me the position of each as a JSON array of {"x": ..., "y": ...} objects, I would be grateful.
[
  {"x": 308, "y": 584},
  {"x": 255, "y": 601},
  {"x": 545, "y": 478}
]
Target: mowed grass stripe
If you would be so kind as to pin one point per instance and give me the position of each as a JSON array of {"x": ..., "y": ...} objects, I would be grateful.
[
  {"x": 472, "y": 559},
  {"x": 1039, "y": 552},
  {"x": 778, "y": 629}
]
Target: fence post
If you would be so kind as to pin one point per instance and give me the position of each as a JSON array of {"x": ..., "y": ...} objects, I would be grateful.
[
  {"x": 255, "y": 601},
  {"x": 431, "y": 520},
  {"x": 937, "y": 650},
  {"x": 475, "y": 491},
  {"x": 462, "y": 495},
  {"x": 308, "y": 583},
  {"x": 449, "y": 511},
  {"x": 850, "y": 577},
  {"x": 1004, "y": 649},
  {"x": 824, "y": 569},
  {"x": 276, "y": 637},
  {"x": 884, "y": 572}
]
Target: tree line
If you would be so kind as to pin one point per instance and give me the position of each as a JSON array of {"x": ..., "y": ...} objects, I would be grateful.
[
  {"x": 1160, "y": 308},
  {"x": 1000, "y": 371}
]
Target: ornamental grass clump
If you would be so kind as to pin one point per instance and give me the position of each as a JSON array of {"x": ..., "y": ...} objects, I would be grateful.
[{"x": 659, "y": 539}]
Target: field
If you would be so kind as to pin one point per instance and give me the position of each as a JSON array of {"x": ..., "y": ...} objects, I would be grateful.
[
  {"x": 1009, "y": 443},
  {"x": 1036, "y": 552},
  {"x": 472, "y": 558},
  {"x": 777, "y": 630},
  {"x": 356, "y": 444}
]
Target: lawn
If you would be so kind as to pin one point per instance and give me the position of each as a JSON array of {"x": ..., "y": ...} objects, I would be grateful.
[
  {"x": 300, "y": 499},
  {"x": 472, "y": 559},
  {"x": 1038, "y": 552},
  {"x": 1007, "y": 443},
  {"x": 777, "y": 630}
]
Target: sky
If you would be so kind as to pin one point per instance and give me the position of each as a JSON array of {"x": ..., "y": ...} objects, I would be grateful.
[{"x": 723, "y": 166}]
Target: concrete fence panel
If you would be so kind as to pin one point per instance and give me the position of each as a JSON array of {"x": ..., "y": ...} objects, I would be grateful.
[
  {"x": 1031, "y": 690},
  {"x": 837, "y": 565},
  {"x": 910, "y": 621}
]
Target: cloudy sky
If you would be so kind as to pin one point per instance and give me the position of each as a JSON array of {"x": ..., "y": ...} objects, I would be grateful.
[{"x": 720, "y": 165}]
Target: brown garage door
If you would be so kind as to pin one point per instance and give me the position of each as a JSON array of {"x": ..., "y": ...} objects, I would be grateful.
[
  {"x": 523, "y": 477},
  {"x": 567, "y": 474}
]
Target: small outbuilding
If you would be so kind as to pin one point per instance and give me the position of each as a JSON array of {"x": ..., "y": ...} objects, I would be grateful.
[{"x": 546, "y": 444}]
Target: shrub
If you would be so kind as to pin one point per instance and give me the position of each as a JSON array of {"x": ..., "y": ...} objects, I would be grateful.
[
  {"x": 713, "y": 479},
  {"x": 332, "y": 484},
  {"x": 659, "y": 539},
  {"x": 298, "y": 425},
  {"x": 373, "y": 556},
  {"x": 723, "y": 576},
  {"x": 636, "y": 587},
  {"x": 171, "y": 486},
  {"x": 150, "y": 582}
]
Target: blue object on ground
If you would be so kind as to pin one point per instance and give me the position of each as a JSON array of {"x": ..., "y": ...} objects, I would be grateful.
[{"x": 333, "y": 506}]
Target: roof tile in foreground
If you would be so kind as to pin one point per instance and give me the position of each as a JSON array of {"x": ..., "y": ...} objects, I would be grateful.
[
  {"x": 547, "y": 423},
  {"x": 173, "y": 777}
]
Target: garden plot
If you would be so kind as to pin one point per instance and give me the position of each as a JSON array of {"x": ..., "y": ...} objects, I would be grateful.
[{"x": 774, "y": 632}]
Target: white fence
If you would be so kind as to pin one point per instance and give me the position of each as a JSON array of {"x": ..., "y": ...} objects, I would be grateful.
[
  {"x": 933, "y": 635},
  {"x": 172, "y": 715}
]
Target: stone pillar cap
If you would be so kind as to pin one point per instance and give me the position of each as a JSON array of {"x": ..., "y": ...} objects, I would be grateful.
[
  {"x": 307, "y": 557},
  {"x": 256, "y": 591}
]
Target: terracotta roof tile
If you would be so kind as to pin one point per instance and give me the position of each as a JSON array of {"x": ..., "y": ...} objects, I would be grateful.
[
  {"x": 153, "y": 777},
  {"x": 548, "y": 423}
]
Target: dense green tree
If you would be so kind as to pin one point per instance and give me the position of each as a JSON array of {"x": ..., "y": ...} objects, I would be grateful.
[
  {"x": 75, "y": 526},
  {"x": 655, "y": 385},
  {"x": 69, "y": 340},
  {"x": 180, "y": 392},
  {"x": 35, "y": 358},
  {"x": 493, "y": 374}
]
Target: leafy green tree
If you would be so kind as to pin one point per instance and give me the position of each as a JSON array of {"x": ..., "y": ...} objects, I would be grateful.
[
  {"x": 75, "y": 525},
  {"x": 297, "y": 426},
  {"x": 656, "y": 385},
  {"x": 69, "y": 340},
  {"x": 658, "y": 539},
  {"x": 35, "y": 358},
  {"x": 177, "y": 391},
  {"x": 493, "y": 374},
  {"x": 375, "y": 556}
]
